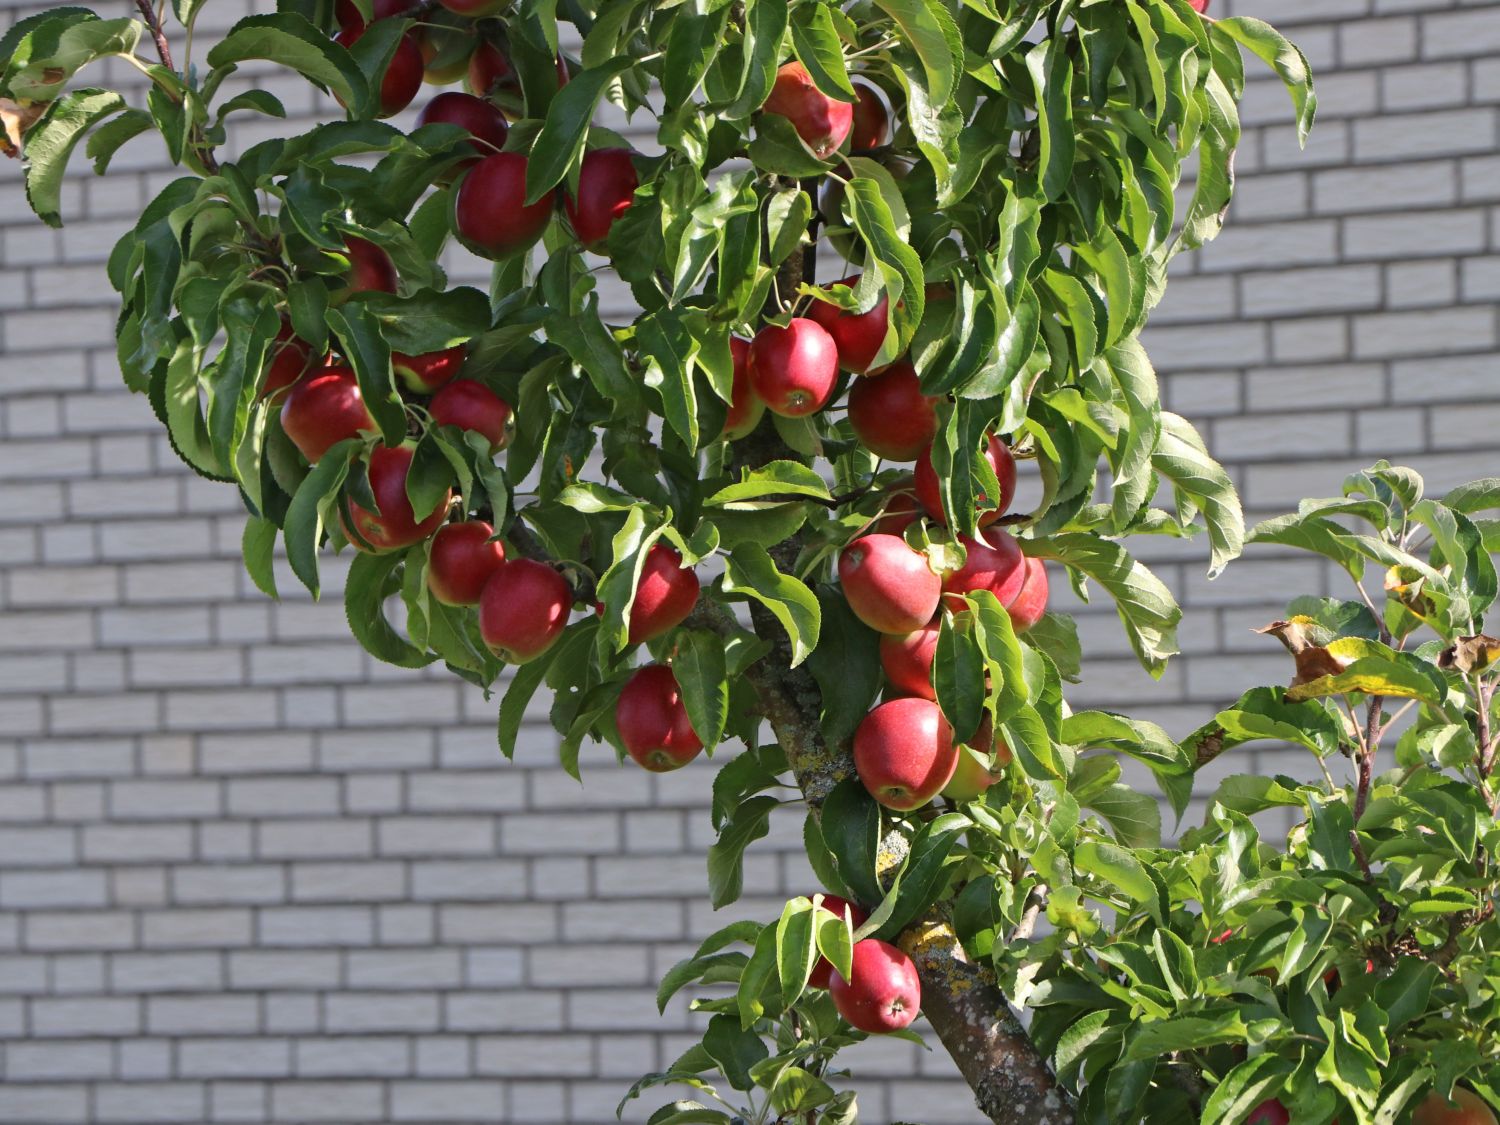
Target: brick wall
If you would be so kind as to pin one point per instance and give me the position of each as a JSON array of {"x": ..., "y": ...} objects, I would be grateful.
[{"x": 247, "y": 874}]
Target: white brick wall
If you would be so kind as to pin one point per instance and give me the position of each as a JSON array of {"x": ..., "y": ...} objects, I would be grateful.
[{"x": 247, "y": 875}]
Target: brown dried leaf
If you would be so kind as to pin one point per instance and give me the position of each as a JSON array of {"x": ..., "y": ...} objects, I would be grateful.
[
  {"x": 16, "y": 119},
  {"x": 1312, "y": 659},
  {"x": 1471, "y": 654}
]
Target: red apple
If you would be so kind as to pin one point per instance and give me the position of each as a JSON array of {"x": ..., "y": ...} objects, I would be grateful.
[
  {"x": 994, "y": 563},
  {"x": 882, "y": 993},
  {"x": 1467, "y": 1108},
  {"x": 403, "y": 74},
  {"x": 973, "y": 774},
  {"x": 890, "y": 414},
  {"x": 1005, "y": 472},
  {"x": 474, "y": 9},
  {"x": 888, "y": 585},
  {"x": 322, "y": 411},
  {"x": 427, "y": 372},
  {"x": 907, "y": 659},
  {"x": 745, "y": 407},
  {"x": 1269, "y": 1112},
  {"x": 1198, "y": 5},
  {"x": 607, "y": 180},
  {"x": 370, "y": 267},
  {"x": 348, "y": 15},
  {"x": 904, "y": 753},
  {"x": 461, "y": 560},
  {"x": 653, "y": 721},
  {"x": 822, "y": 972},
  {"x": 793, "y": 369},
  {"x": 490, "y": 70},
  {"x": 523, "y": 609},
  {"x": 395, "y": 526},
  {"x": 857, "y": 336},
  {"x": 822, "y": 122},
  {"x": 473, "y": 406},
  {"x": 481, "y": 119},
  {"x": 901, "y": 508},
  {"x": 871, "y": 120},
  {"x": 287, "y": 359},
  {"x": 665, "y": 594},
  {"x": 490, "y": 209},
  {"x": 1031, "y": 602}
]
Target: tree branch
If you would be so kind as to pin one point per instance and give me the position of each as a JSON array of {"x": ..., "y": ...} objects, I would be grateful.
[{"x": 153, "y": 23}]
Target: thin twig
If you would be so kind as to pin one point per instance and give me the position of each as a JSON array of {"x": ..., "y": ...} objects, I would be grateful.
[{"x": 153, "y": 22}]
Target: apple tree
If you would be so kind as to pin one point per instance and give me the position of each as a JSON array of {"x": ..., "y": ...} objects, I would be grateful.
[{"x": 881, "y": 253}]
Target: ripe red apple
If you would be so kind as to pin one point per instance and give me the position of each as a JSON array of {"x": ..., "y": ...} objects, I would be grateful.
[
  {"x": 793, "y": 369},
  {"x": 461, "y": 560},
  {"x": 370, "y": 267},
  {"x": 822, "y": 122},
  {"x": 664, "y": 596},
  {"x": 973, "y": 774},
  {"x": 523, "y": 609},
  {"x": 474, "y": 9},
  {"x": 348, "y": 15},
  {"x": 907, "y": 659},
  {"x": 882, "y": 993},
  {"x": 1269, "y": 1112},
  {"x": 1467, "y": 1108},
  {"x": 490, "y": 209},
  {"x": 904, "y": 752},
  {"x": 745, "y": 407},
  {"x": 607, "y": 180},
  {"x": 287, "y": 359},
  {"x": 901, "y": 508},
  {"x": 1005, "y": 472},
  {"x": 427, "y": 372},
  {"x": 822, "y": 972},
  {"x": 1199, "y": 6},
  {"x": 483, "y": 121},
  {"x": 888, "y": 585},
  {"x": 994, "y": 563},
  {"x": 857, "y": 336},
  {"x": 1031, "y": 602},
  {"x": 653, "y": 721},
  {"x": 473, "y": 406},
  {"x": 322, "y": 411},
  {"x": 890, "y": 414},
  {"x": 490, "y": 70},
  {"x": 395, "y": 526},
  {"x": 871, "y": 120},
  {"x": 403, "y": 74}
]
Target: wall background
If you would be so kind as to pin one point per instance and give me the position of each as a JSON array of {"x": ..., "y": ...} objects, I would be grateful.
[{"x": 249, "y": 875}]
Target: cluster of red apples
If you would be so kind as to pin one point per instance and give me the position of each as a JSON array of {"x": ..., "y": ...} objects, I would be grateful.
[{"x": 1466, "y": 1108}]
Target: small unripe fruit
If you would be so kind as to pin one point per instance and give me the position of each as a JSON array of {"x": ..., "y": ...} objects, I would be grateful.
[
  {"x": 871, "y": 120},
  {"x": 973, "y": 775},
  {"x": 653, "y": 721},
  {"x": 288, "y": 358},
  {"x": 665, "y": 594},
  {"x": 370, "y": 267},
  {"x": 904, "y": 753},
  {"x": 607, "y": 181},
  {"x": 891, "y": 416},
  {"x": 523, "y": 609},
  {"x": 403, "y": 74},
  {"x": 481, "y": 119},
  {"x": 490, "y": 210},
  {"x": 324, "y": 410},
  {"x": 1467, "y": 1108},
  {"x": 427, "y": 372},
  {"x": 1031, "y": 602},
  {"x": 822, "y": 122},
  {"x": 858, "y": 336},
  {"x": 888, "y": 585},
  {"x": 1269, "y": 1112},
  {"x": 793, "y": 369},
  {"x": 473, "y": 406},
  {"x": 745, "y": 407},
  {"x": 994, "y": 563},
  {"x": 822, "y": 972},
  {"x": 882, "y": 993},
  {"x": 395, "y": 526},
  {"x": 463, "y": 557},
  {"x": 1005, "y": 472},
  {"x": 907, "y": 659}
]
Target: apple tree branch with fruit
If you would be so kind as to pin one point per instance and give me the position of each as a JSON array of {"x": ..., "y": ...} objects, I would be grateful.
[{"x": 884, "y": 251}]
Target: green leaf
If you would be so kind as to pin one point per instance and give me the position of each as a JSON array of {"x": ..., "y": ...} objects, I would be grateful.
[
  {"x": 816, "y": 42},
  {"x": 958, "y": 677},
  {"x": 1135, "y": 817},
  {"x": 750, "y": 571},
  {"x": 1245, "y": 1087},
  {"x": 1185, "y": 1033},
  {"x": 1182, "y": 458},
  {"x": 1290, "y": 63},
  {"x": 372, "y": 579},
  {"x": 776, "y": 478},
  {"x": 796, "y": 949},
  {"x": 290, "y": 40},
  {"x": 560, "y": 142},
  {"x": 726, "y": 855},
  {"x": 699, "y": 667},
  {"x": 370, "y": 356},
  {"x": 922, "y": 877},
  {"x": 735, "y": 1049},
  {"x": 51, "y": 141},
  {"x": 108, "y": 138},
  {"x": 304, "y": 519},
  {"x": 1375, "y": 669},
  {"x": 428, "y": 320},
  {"x": 777, "y": 148},
  {"x": 56, "y": 45},
  {"x": 851, "y": 828},
  {"x": 1051, "y": 69},
  {"x": 1118, "y": 867},
  {"x": 257, "y": 543},
  {"x": 835, "y": 938},
  {"x": 846, "y": 664},
  {"x": 930, "y": 29},
  {"x": 900, "y": 265}
]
